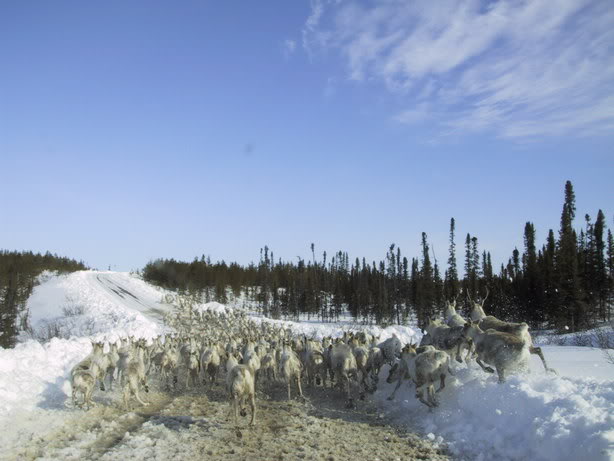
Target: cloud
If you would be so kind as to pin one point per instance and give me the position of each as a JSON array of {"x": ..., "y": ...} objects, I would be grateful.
[
  {"x": 313, "y": 36},
  {"x": 517, "y": 68},
  {"x": 330, "y": 88},
  {"x": 289, "y": 47},
  {"x": 418, "y": 114}
]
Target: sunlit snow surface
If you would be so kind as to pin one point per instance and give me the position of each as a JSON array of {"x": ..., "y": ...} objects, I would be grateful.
[{"x": 537, "y": 416}]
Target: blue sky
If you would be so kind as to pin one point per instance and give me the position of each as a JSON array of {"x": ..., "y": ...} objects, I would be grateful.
[{"x": 144, "y": 129}]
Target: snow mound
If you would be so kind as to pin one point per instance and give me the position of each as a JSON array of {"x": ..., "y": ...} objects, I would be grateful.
[
  {"x": 96, "y": 305},
  {"x": 35, "y": 373},
  {"x": 537, "y": 417},
  {"x": 78, "y": 307}
]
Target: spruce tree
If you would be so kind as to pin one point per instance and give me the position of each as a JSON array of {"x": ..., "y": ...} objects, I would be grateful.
[
  {"x": 427, "y": 287},
  {"x": 532, "y": 284},
  {"x": 610, "y": 265},
  {"x": 585, "y": 257},
  {"x": 414, "y": 286},
  {"x": 600, "y": 268},
  {"x": 572, "y": 310},
  {"x": 468, "y": 285},
  {"x": 475, "y": 256},
  {"x": 488, "y": 275},
  {"x": 438, "y": 287},
  {"x": 514, "y": 309},
  {"x": 474, "y": 274},
  {"x": 551, "y": 286},
  {"x": 405, "y": 292},
  {"x": 451, "y": 286},
  {"x": 391, "y": 279}
]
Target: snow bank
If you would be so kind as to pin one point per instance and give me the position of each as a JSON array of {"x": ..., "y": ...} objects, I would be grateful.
[
  {"x": 93, "y": 304},
  {"x": 319, "y": 330},
  {"x": 602, "y": 337},
  {"x": 537, "y": 416},
  {"x": 99, "y": 307},
  {"x": 35, "y": 373}
]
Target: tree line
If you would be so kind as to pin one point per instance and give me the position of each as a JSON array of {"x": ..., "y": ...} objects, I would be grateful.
[
  {"x": 567, "y": 284},
  {"x": 18, "y": 277}
]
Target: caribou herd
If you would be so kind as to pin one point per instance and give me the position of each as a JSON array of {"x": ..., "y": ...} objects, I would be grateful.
[{"x": 252, "y": 356}]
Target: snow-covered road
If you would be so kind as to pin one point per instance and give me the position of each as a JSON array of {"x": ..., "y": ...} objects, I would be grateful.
[
  {"x": 114, "y": 284},
  {"x": 38, "y": 422}
]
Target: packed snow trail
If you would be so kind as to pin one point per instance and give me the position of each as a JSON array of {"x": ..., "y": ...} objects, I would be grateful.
[
  {"x": 116, "y": 287},
  {"x": 40, "y": 424},
  {"x": 197, "y": 425}
]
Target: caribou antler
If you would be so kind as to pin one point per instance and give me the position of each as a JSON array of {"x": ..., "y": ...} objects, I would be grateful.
[
  {"x": 485, "y": 297},
  {"x": 456, "y": 297}
]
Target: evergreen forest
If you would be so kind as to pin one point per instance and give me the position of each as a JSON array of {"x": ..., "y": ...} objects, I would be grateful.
[
  {"x": 19, "y": 272},
  {"x": 567, "y": 283}
]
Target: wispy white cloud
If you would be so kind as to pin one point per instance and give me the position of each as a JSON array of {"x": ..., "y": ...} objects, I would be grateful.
[
  {"x": 289, "y": 47},
  {"x": 517, "y": 68},
  {"x": 330, "y": 88},
  {"x": 419, "y": 113},
  {"x": 313, "y": 35}
]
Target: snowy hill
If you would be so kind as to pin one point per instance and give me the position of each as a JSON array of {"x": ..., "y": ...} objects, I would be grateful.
[{"x": 538, "y": 416}]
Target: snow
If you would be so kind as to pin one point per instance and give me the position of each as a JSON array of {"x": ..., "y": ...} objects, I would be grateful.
[
  {"x": 319, "y": 330},
  {"x": 104, "y": 305},
  {"x": 537, "y": 416},
  {"x": 32, "y": 371},
  {"x": 602, "y": 336},
  {"x": 34, "y": 376}
]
